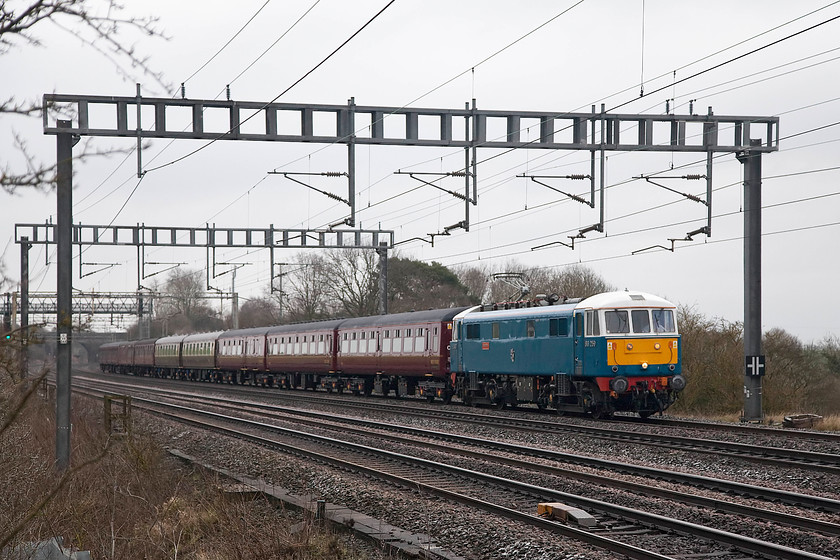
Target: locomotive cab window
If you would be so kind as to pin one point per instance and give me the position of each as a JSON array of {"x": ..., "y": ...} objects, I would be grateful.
[
  {"x": 663, "y": 321},
  {"x": 641, "y": 320},
  {"x": 617, "y": 321}
]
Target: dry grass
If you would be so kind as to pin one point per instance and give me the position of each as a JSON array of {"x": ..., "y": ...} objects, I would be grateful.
[
  {"x": 829, "y": 423},
  {"x": 134, "y": 501}
]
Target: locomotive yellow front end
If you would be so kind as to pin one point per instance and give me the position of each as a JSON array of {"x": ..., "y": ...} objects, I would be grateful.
[{"x": 632, "y": 350}]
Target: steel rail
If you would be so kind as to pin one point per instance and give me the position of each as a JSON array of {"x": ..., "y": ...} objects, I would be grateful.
[
  {"x": 793, "y": 498},
  {"x": 795, "y": 521},
  {"x": 742, "y": 543}
]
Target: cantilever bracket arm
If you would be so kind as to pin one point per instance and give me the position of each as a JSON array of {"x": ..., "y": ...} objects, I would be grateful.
[
  {"x": 688, "y": 237},
  {"x": 580, "y": 235},
  {"x": 105, "y": 266},
  {"x": 447, "y": 231},
  {"x": 418, "y": 239},
  {"x": 440, "y": 176},
  {"x": 287, "y": 175},
  {"x": 689, "y": 196},
  {"x": 576, "y": 198},
  {"x": 564, "y": 244},
  {"x": 167, "y": 269}
]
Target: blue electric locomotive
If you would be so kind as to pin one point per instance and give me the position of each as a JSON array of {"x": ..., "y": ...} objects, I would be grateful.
[{"x": 617, "y": 351}]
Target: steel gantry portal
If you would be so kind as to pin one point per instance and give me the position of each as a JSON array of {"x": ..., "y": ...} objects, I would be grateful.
[{"x": 596, "y": 132}]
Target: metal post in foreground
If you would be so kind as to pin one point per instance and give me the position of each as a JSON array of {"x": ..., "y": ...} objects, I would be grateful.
[
  {"x": 64, "y": 323},
  {"x": 24, "y": 306},
  {"x": 754, "y": 360},
  {"x": 383, "y": 277}
]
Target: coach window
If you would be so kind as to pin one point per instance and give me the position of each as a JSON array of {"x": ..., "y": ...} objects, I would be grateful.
[
  {"x": 617, "y": 321},
  {"x": 529, "y": 325},
  {"x": 495, "y": 330},
  {"x": 386, "y": 342},
  {"x": 408, "y": 345},
  {"x": 641, "y": 320},
  {"x": 354, "y": 344}
]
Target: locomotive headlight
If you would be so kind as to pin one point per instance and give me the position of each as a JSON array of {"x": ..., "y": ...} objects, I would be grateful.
[
  {"x": 644, "y": 365},
  {"x": 629, "y": 346},
  {"x": 677, "y": 383},
  {"x": 656, "y": 346}
]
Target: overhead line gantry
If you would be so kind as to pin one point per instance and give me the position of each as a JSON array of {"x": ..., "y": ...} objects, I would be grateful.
[{"x": 597, "y": 132}]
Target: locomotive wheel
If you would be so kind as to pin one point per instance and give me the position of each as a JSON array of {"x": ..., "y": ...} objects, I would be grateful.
[
  {"x": 646, "y": 414},
  {"x": 447, "y": 398},
  {"x": 430, "y": 398}
]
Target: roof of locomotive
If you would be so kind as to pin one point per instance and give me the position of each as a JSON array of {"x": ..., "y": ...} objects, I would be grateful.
[
  {"x": 411, "y": 317},
  {"x": 609, "y": 300},
  {"x": 474, "y": 314},
  {"x": 624, "y": 299}
]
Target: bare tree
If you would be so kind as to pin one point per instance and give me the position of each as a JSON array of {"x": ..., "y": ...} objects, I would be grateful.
[
  {"x": 573, "y": 281},
  {"x": 352, "y": 278},
  {"x": 576, "y": 281},
  {"x": 183, "y": 304},
  {"x": 259, "y": 312},
  {"x": 308, "y": 293},
  {"x": 100, "y": 25}
]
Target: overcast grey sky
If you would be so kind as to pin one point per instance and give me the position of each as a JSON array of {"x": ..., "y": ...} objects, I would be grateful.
[{"x": 594, "y": 53}]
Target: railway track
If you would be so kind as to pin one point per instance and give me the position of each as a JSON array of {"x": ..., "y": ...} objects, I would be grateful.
[
  {"x": 761, "y": 454},
  {"x": 613, "y": 519}
]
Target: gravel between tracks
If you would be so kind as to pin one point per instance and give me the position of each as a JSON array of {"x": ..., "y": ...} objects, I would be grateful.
[{"x": 477, "y": 535}]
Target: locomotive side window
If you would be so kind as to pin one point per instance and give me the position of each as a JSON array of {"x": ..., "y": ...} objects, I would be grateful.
[
  {"x": 663, "y": 320},
  {"x": 473, "y": 331},
  {"x": 495, "y": 330},
  {"x": 558, "y": 327},
  {"x": 617, "y": 321},
  {"x": 532, "y": 332},
  {"x": 641, "y": 320}
]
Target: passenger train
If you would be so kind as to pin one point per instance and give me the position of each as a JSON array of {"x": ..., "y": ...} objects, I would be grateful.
[{"x": 612, "y": 352}]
